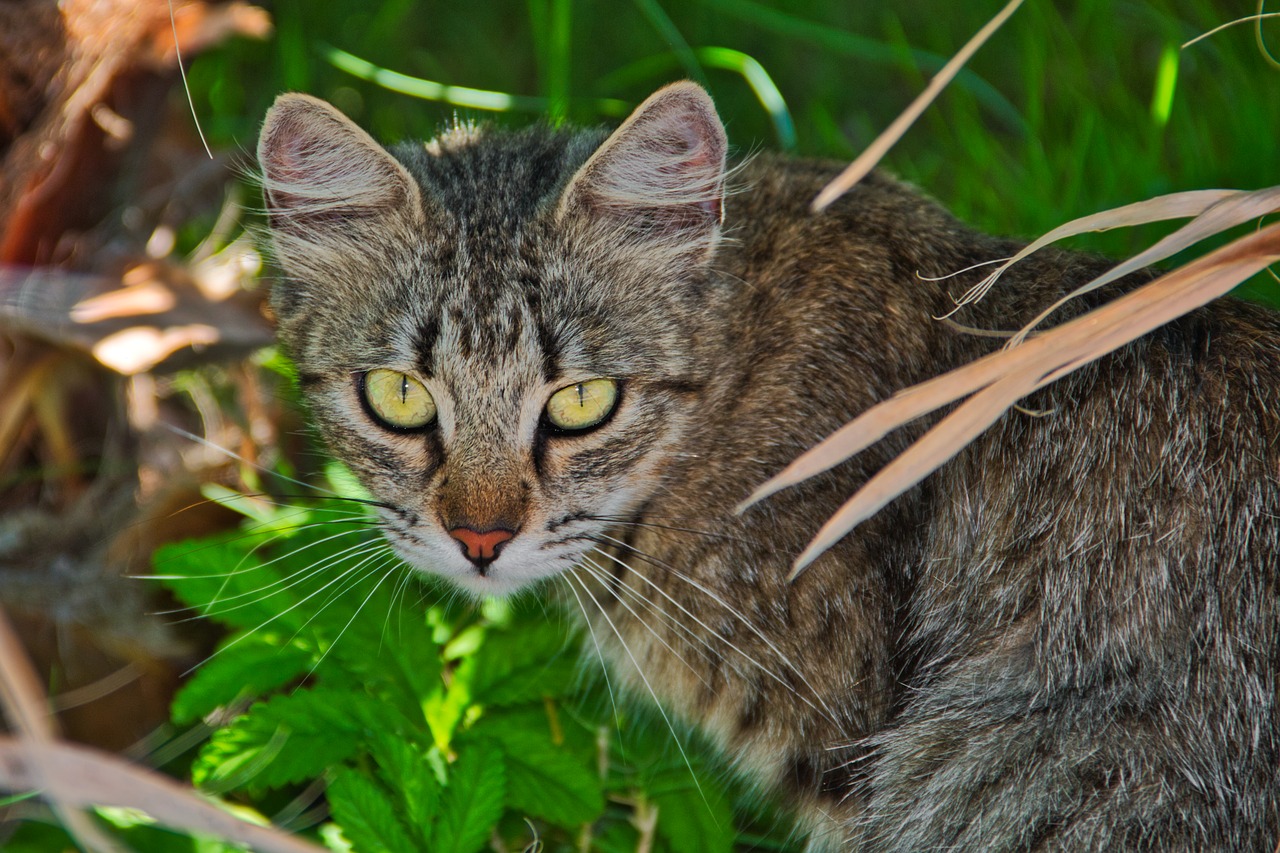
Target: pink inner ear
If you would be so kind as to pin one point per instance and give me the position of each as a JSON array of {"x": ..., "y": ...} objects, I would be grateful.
[
  {"x": 319, "y": 167},
  {"x": 663, "y": 171}
]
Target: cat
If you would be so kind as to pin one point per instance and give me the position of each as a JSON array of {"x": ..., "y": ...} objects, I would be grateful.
[{"x": 565, "y": 353}]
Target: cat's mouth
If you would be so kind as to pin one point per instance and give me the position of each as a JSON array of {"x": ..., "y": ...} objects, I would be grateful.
[{"x": 492, "y": 563}]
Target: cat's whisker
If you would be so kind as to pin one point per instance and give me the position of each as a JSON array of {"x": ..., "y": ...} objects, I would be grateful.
[
  {"x": 310, "y": 573},
  {"x": 287, "y": 582},
  {"x": 785, "y": 660},
  {"x": 385, "y": 574},
  {"x": 401, "y": 587},
  {"x": 596, "y": 571},
  {"x": 363, "y": 521},
  {"x": 704, "y": 648},
  {"x": 645, "y": 680},
  {"x": 568, "y": 578},
  {"x": 821, "y": 707}
]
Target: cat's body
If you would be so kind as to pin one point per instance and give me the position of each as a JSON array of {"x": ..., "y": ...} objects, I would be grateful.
[{"x": 1067, "y": 637}]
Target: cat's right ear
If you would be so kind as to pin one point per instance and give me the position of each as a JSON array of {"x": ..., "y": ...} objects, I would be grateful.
[{"x": 331, "y": 191}]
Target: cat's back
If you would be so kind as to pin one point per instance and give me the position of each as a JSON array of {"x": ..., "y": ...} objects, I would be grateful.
[{"x": 1088, "y": 632}]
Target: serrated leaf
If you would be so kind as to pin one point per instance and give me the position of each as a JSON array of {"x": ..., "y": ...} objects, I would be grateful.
[
  {"x": 245, "y": 670},
  {"x": 548, "y": 781},
  {"x": 472, "y": 803},
  {"x": 390, "y": 646},
  {"x": 367, "y": 815},
  {"x": 522, "y": 666},
  {"x": 408, "y": 771},
  {"x": 221, "y": 580},
  {"x": 291, "y": 739}
]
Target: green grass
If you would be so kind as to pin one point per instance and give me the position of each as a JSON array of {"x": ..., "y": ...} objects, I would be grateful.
[
  {"x": 1054, "y": 119},
  {"x": 1063, "y": 113}
]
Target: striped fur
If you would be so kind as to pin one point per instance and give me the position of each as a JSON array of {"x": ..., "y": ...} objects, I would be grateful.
[{"x": 1066, "y": 639}]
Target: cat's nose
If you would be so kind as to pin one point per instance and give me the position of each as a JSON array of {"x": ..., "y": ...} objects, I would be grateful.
[{"x": 482, "y": 546}]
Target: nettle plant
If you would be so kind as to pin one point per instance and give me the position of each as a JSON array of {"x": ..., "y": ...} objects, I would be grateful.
[{"x": 428, "y": 722}]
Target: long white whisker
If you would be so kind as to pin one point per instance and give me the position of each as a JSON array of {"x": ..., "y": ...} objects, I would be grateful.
[
  {"x": 258, "y": 547},
  {"x": 287, "y": 582},
  {"x": 595, "y": 641},
  {"x": 825, "y": 709},
  {"x": 718, "y": 635},
  {"x": 334, "y": 642},
  {"x": 645, "y": 679},
  {"x": 595, "y": 570},
  {"x": 341, "y": 575}
]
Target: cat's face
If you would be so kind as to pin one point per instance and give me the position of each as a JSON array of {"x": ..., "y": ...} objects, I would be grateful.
[{"x": 508, "y": 376}]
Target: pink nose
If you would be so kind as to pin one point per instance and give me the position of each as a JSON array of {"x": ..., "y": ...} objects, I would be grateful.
[{"x": 481, "y": 547}]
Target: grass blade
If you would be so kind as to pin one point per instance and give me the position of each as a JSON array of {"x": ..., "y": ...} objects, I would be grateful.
[
  {"x": 858, "y": 169},
  {"x": 458, "y": 96},
  {"x": 766, "y": 91},
  {"x": 1046, "y": 359}
]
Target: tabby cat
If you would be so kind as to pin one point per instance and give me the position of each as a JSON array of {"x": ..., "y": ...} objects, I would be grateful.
[{"x": 563, "y": 353}]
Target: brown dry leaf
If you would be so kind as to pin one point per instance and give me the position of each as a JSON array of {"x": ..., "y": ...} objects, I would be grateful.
[
  {"x": 143, "y": 319},
  {"x": 1003, "y": 378},
  {"x": 77, "y": 776},
  {"x": 1215, "y": 211},
  {"x": 1159, "y": 209}
]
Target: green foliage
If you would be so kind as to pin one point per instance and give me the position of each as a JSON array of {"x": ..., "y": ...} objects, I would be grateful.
[{"x": 432, "y": 726}]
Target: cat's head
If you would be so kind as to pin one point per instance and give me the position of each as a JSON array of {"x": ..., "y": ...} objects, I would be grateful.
[{"x": 499, "y": 333}]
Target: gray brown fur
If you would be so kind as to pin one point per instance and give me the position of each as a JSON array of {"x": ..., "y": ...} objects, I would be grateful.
[{"x": 1067, "y": 638}]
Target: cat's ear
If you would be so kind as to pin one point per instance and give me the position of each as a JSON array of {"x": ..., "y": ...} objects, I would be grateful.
[
  {"x": 330, "y": 189},
  {"x": 660, "y": 176}
]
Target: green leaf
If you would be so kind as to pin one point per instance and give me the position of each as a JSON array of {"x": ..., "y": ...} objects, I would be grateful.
[
  {"x": 291, "y": 739},
  {"x": 244, "y": 668},
  {"x": 522, "y": 665},
  {"x": 472, "y": 803},
  {"x": 545, "y": 780},
  {"x": 390, "y": 645},
  {"x": 367, "y": 815},
  {"x": 408, "y": 771}
]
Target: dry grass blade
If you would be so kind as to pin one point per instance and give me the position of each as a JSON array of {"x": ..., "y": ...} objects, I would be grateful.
[
  {"x": 1258, "y": 18},
  {"x": 20, "y": 697},
  {"x": 73, "y": 777},
  {"x": 1020, "y": 371},
  {"x": 1218, "y": 217},
  {"x": 78, "y": 776},
  {"x": 859, "y": 168},
  {"x": 1173, "y": 206}
]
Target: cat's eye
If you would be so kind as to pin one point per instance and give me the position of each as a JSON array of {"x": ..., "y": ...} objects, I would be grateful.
[
  {"x": 583, "y": 405},
  {"x": 397, "y": 400}
]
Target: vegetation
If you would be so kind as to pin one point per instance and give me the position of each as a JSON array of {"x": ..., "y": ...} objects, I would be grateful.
[{"x": 369, "y": 710}]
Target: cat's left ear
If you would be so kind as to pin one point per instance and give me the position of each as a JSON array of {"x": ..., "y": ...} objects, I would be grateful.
[{"x": 659, "y": 178}]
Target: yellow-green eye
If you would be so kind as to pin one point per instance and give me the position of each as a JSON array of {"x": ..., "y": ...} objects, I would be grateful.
[
  {"x": 583, "y": 405},
  {"x": 398, "y": 400}
]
